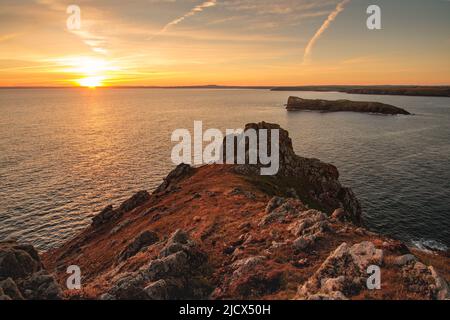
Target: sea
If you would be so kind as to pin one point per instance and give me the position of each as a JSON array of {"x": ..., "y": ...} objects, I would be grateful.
[{"x": 67, "y": 153}]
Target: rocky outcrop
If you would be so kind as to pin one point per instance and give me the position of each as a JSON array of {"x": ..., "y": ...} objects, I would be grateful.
[
  {"x": 180, "y": 172},
  {"x": 22, "y": 275},
  {"x": 299, "y": 104},
  {"x": 142, "y": 241},
  {"x": 180, "y": 272},
  {"x": 316, "y": 183},
  {"x": 108, "y": 214},
  {"x": 225, "y": 232},
  {"x": 342, "y": 274}
]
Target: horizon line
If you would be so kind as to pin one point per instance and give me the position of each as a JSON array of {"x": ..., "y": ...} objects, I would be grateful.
[{"x": 214, "y": 86}]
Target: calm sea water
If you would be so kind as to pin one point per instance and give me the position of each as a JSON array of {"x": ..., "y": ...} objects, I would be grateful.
[{"x": 66, "y": 153}]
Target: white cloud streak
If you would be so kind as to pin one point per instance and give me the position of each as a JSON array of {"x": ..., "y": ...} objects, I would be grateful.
[
  {"x": 197, "y": 9},
  {"x": 325, "y": 25}
]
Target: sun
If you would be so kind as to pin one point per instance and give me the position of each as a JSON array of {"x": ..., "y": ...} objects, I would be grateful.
[
  {"x": 91, "y": 71},
  {"x": 91, "y": 82}
]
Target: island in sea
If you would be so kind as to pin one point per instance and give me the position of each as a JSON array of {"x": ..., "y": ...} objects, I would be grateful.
[
  {"x": 226, "y": 232},
  {"x": 299, "y": 104}
]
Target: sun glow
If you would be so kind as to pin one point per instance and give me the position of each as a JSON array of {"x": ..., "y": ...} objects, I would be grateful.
[
  {"x": 91, "y": 82},
  {"x": 92, "y": 72}
]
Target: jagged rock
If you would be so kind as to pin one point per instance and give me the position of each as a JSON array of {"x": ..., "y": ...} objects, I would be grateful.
[
  {"x": 9, "y": 287},
  {"x": 135, "y": 201},
  {"x": 178, "y": 273},
  {"x": 180, "y": 172},
  {"x": 441, "y": 287},
  {"x": 303, "y": 242},
  {"x": 108, "y": 214},
  {"x": 309, "y": 222},
  {"x": 142, "y": 241},
  {"x": 41, "y": 286},
  {"x": 339, "y": 214},
  {"x": 274, "y": 203},
  {"x": 178, "y": 241},
  {"x": 425, "y": 281},
  {"x": 278, "y": 209},
  {"x": 18, "y": 260},
  {"x": 239, "y": 191},
  {"x": 243, "y": 266},
  {"x": 120, "y": 226},
  {"x": 318, "y": 178},
  {"x": 342, "y": 273},
  {"x": 157, "y": 290},
  {"x": 402, "y": 260},
  {"x": 22, "y": 274}
]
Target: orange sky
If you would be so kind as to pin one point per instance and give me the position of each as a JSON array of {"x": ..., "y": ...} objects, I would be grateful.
[{"x": 227, "y": 42}]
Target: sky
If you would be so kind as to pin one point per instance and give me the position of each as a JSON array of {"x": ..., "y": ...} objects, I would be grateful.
[{"x": 223, "y": 42}]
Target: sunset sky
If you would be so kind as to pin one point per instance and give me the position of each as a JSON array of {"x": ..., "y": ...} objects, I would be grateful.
[{"x": 227, "y": 42}]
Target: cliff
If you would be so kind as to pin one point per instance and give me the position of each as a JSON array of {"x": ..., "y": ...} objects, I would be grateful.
[
  {"x": 299, "y": 104},
  {"x": 223, "y": 231}
]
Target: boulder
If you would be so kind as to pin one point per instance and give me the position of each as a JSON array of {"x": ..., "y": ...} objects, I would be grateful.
[
  {"x": 108, "y": 214},
  {"x": 405, "y": 259},
  {"x": 179, "y": 173},
  {"x": 180, "y": 272},
  {"x": 142, "y": 241},
  {"x": 342, "y": 274},
  {"x": 18, "y": 260}
]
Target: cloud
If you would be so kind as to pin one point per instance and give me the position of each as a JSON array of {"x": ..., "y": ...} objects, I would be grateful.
[
  {"x": 308, "y": 50},
  {"x": 197, "y": 9}
]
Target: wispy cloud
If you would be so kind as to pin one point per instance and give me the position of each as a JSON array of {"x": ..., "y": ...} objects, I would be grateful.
[
  {"x": 197, "y": 9},
  {"x": 325, "y": 25}
]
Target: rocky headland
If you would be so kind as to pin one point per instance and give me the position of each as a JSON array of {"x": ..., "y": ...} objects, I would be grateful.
[
  {"x": 225, "y": 232},
  {"x": 299, "y": 104},
  {"x": 399, "y": 90}
]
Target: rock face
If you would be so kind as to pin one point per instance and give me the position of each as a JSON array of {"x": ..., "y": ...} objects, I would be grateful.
[
  {"x": 299, "y": 104},
  {"x": 142, "y": 241},
  {"x": 180, "y": 272},
  {"x": 313, "y": 181},
  {"x": 108, "y": 214},
  {"x": 22, "y": 275},
  {"x": 343, "y": 273}
]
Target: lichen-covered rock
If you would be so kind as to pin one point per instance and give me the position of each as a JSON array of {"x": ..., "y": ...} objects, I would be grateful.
[
  {"x": 278, "y": 209},
  {"x": 425, "y": 281},
  {"x": 18, "y": 260},
  {"x": 342, "y": 274},
  {"x": 22, "y": 275},
  {"x": 180, "y": 272}
]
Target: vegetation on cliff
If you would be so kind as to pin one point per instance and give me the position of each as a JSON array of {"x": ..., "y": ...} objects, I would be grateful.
[{"x": 224, "y": 232}]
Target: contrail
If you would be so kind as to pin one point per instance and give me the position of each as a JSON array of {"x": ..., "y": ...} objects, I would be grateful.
[
  {"x": 193, "y": 11},
  {"x": 339, "y": 8}
]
